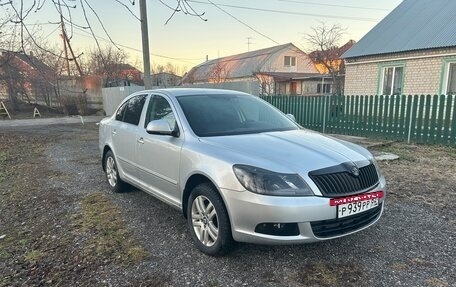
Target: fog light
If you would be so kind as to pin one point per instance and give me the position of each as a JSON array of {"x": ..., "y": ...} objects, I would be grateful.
[{"x": 278, "y": 229}]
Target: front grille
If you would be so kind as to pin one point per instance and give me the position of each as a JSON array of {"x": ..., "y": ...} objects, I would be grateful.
[
  {"x": 339, "y": 226},
  {"x": 339, "y": 181}
]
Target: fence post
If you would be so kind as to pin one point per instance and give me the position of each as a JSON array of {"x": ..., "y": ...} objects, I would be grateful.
[
  {"x": 324, "y": 112},
  {"x": 409, "y": 130}
]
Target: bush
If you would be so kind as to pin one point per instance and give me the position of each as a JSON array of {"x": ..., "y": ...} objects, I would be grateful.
[{"x": 75, "y": 105}]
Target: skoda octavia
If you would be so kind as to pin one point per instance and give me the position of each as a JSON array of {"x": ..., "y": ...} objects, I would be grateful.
[{"x": 239, "y": 169}]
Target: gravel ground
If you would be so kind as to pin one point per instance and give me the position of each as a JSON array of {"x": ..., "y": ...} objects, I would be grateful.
[{"x": 412, "y": 244}]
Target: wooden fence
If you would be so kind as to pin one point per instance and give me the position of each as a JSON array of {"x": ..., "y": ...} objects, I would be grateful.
[{"x": 417, "y": 119}]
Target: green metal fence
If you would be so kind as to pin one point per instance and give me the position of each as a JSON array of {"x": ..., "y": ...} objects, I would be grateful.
[{"x": 417, "y": 119}]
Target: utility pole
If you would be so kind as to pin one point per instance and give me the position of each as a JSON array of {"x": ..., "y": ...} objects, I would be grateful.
[
  {"x": 66, "y": 47},
  {"x": 67, "y": 61},
  {"x": 145, "y": 44}
]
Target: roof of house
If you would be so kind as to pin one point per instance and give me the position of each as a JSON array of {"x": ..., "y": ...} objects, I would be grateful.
[
  {"x": 122, "y": 66},
  {"x": 240, "y": 65},
  {"x": 413, "y": 25},
  {"x": 165, "y": 74},
  {"x": 32, "y": 61},
  {"x": 335, "y": 53},
  {"x": 283, "y": 76}
]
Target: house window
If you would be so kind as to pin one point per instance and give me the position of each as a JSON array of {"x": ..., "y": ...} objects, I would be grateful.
[
  {"x": 323, "y": 88},
  {"x": 449, "y": 87},
  {"x": 392, "y": 80},
  {"x": 289, "y": 61}
]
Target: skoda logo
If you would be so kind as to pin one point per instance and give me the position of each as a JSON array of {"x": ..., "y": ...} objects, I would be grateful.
[{"x": 355, "y": 171}]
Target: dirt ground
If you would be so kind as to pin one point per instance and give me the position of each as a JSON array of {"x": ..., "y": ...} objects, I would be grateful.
[{"x": 60, "y": 226}]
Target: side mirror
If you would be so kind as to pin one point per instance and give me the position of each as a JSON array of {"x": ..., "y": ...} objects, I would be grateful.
[
  {"x": 291, "y": 117},
  {"x": 161, "y": 127}
]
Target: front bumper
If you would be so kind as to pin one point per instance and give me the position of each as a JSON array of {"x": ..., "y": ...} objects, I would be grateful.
[{"x": 247, "y": 210}]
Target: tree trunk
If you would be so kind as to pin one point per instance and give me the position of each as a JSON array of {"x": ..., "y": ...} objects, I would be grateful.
[{"x": 13, "y": 96}]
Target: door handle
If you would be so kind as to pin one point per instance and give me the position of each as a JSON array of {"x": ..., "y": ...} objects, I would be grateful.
[
  {"x": 114, "y": 132},
  {"x": 141, "y": 140}
]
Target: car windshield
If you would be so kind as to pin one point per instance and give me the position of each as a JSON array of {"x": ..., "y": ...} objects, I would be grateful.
[{"x": 217, "y": 115}]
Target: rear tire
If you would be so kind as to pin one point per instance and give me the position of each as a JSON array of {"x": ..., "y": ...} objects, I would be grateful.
[
  {"x": 208, "y": 220},
  {"x": 112, "y": 173}
]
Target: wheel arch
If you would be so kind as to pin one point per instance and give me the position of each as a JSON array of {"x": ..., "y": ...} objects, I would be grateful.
[
  {"x": 105, "y": 151},
  {"x": 194, "y": 180}
]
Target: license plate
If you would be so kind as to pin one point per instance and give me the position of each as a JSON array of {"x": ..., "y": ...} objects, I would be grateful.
[{"x": 353, "y": 208}]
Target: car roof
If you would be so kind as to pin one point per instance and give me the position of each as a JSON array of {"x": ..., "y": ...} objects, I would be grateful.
[{"x": 179, "y": 92}]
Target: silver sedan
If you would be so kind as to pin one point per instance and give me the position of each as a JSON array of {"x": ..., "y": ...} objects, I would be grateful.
[{"x": 239, "y": 169}]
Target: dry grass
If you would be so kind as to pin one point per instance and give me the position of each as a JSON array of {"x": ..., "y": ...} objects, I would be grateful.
[
  {"x": 399, "y": 266},
  {"x": 325, "y": 274},
  {"x": 40, "y": 228},
  {"x": 33, "y": 255},
  {"x": 154, "y": 280},
  {"x": 3, "y": 174},
  {"x": 109, "y": 237},
  {"x": 422, "y": 174},
  {"x": 435, "y": 282}
]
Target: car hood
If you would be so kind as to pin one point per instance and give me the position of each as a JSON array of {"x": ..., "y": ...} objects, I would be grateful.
[{"x": 298, "y": 151}]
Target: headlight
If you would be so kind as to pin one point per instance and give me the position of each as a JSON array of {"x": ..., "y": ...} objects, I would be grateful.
[
  {"x": 374, "y": 161},
  {"x": 267, "y": 182}
]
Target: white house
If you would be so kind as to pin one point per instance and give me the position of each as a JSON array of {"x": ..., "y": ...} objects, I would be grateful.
[{"x": 283, "y": 69}]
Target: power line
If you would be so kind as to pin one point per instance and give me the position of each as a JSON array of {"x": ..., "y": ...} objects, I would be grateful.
[
  {"x": 334, "y": 5},
  {"x": 237, "y": 19},
  {"x": 88, "y": 35},
  {"x": 186, "y": 60},
  {"x": 285, "y": 12}
]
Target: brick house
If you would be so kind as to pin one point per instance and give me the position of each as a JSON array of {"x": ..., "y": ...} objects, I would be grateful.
[
  {"x": 117, "y": 75},
  {"x": 283, "y": 69},
  {"x": 411, "y": 51},
  {"x": 25, "y": 77}
]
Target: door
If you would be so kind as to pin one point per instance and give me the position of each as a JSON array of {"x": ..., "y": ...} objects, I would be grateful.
[
  {"x": 159, "y": 155},
  {"x": 293, "y": 88},
  {"x": 124, "y": 132}
]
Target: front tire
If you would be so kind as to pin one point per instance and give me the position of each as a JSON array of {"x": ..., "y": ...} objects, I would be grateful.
[
  {"x": 208, "y": 220},
  {"x": 112, "y": 173}
]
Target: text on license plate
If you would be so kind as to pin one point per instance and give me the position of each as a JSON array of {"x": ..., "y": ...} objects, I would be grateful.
[{"x": 353, "y": 208}]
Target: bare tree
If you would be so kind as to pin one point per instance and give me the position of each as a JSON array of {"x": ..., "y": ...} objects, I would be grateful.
[
  {"x": 324, "y": 44},
  {"x": 20, "y": 10},
  {"x": 26, "y": 78},
  {"x": 158, "y": 68},
  {"x": 18, "y": 36},
  {"x": 23, "y": 77},
  {"x": 12, "y": 80},
  {"x": 219, "y": 73},
  {"x": 106, "y": 63},
  {"x": 166, "y": 75},
  {"x": 267, "y": 82}
]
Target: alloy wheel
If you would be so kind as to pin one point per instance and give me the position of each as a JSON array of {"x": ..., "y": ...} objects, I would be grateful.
[
  {"x": 205, "y": 220},
  {"x": 111, "y": 171}
]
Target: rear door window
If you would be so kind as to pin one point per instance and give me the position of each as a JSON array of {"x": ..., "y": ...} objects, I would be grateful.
[
  {"x": 121, "y": 112},
  {"x": 133, "y": 109}
]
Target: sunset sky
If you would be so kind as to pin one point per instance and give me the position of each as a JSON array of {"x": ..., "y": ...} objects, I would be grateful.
[{"x": 186, "y": 40}]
